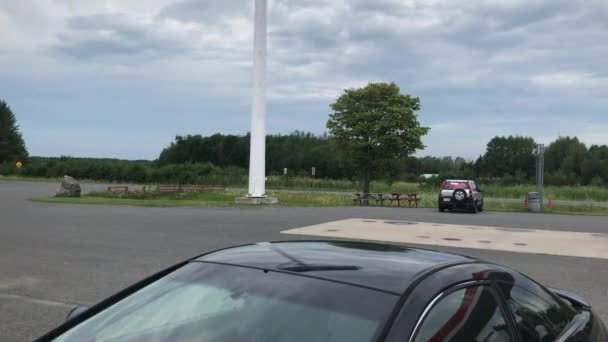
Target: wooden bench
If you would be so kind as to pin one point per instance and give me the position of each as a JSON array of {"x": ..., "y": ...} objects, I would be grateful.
[
  {"x": 410, "y": 198},
  {"x": 396, "y": 197},
  {"x": 362, "y": 198},
  {"x": 189, "y": 188},
  {"x": 118, "y": 189}
]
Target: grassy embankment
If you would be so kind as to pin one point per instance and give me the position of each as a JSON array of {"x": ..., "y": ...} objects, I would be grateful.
[
  {"x": 226, "y": 199},
  {"x": 574, "y": 193}
]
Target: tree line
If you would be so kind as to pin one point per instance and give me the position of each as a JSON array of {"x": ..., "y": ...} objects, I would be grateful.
[
  {"x": 223, "y": 159},
  {"x": 373, "y": 133},
  {"x": 509, "y": 159},
  {"x": 568, "y": 161}
]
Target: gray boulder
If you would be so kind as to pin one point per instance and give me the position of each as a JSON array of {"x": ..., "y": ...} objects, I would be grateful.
[{"x": 69, "y": 188}]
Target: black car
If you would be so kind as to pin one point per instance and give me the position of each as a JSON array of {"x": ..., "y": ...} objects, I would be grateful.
[{"x": 334, "y": 291}]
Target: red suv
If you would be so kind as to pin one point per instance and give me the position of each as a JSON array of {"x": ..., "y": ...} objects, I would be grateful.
[{"x": 460, "y": 194}]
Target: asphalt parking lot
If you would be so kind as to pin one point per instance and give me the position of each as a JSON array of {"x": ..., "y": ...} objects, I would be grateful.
[{"x": 54, "y": 256}]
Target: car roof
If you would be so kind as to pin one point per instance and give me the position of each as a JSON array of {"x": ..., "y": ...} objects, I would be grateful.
[{"x": 384, "y": 267}]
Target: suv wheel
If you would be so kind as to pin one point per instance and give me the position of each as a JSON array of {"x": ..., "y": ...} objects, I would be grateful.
[
  {"x": 481, "y": 206},
  {"x": 441, "y": 209}
]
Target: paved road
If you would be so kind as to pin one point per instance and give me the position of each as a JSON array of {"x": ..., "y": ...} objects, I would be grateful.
[{"x": 53, "y": 256}]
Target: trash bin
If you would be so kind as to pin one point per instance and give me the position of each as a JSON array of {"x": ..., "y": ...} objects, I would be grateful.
[{"x": 534, "y": 202}]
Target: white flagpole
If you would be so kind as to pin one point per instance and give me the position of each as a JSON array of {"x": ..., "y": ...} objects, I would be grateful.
[{"x": 257, "y": 154}]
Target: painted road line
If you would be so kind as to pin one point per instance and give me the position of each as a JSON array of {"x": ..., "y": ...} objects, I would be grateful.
[{"x": 577, "y": 244}]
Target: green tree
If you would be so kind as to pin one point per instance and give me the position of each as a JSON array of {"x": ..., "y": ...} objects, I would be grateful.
[
  {"x": 508, "y": 156},
  {"x": 12, "y": 146},
  {"x": 566, "y": 155},
  {"x": 374, "y": 127}
]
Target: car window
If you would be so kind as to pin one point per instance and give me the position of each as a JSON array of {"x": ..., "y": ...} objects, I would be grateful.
[
  {"x": 473, "y": 185},
  {"x": 539, "y": 315},
  {"x": 455, "y": 185},
  {"x": 470, "y": 314},
  {"x": 206, "y": 303}
]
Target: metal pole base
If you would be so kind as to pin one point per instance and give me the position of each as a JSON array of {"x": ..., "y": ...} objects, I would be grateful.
[{"x": 256, "y": 200}]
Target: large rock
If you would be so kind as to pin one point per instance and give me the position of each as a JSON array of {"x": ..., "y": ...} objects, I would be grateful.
[{"x": 69, "y": 188}]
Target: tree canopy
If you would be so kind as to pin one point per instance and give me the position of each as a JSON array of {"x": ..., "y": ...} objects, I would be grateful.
[
  {"x": 374, "y": 127},
  {"x": 508, "y": 156},
  {"x": 12, "y": 146}
]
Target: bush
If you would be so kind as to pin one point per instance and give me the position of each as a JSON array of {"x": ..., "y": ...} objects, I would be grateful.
[{"x": 597, "y": 181}]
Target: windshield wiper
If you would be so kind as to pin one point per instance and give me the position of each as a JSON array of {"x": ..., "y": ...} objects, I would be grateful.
[
  {"x": 297, "y": 265},
  {"x": 313, "y": 268}
]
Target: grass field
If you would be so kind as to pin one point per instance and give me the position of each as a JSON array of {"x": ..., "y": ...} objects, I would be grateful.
[
  {"x": 201, "y": 200},
  {"x": 226, "y": 199},
  {"x": 573, "y": 193}
]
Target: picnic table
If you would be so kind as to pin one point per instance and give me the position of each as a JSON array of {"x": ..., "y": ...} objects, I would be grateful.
[
  {"x": 188, "y": 188},
  {"x": 364, "y": 198},
  {"x": 379, "y": 198},
  {"x": 409, "y": 197},
  {"x": 117, "y": 189}
]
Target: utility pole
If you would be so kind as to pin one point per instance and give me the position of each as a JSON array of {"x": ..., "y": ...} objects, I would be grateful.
[
  {"x": 257, "y": 147},
  {"x": 540, "y": 172},
  {"x": 257, "y": 154}
]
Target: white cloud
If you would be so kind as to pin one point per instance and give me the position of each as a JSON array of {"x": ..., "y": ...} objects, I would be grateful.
[{"x": 570, "y": 80}]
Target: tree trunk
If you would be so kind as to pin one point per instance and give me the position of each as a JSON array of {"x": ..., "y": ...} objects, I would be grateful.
[{"x": 366, "y": 181}]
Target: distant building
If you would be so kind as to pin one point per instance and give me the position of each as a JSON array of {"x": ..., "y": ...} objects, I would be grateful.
[{"x": 429, "y": 175}]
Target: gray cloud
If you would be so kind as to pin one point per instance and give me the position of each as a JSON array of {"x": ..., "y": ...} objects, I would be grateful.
[
  {"x": 471, "y": 61},
  {"x": 205, "y": 11},
  {"x": 99, "y": 36}
]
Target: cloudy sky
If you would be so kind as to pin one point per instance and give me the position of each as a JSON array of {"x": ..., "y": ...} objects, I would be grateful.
[{"x": 120, "y": 78}]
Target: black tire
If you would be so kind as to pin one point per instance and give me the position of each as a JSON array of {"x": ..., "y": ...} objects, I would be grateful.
[
  {"x": 480, "y": 209},
  {"x": 441, "y": 209},
  {"x": 474, "y": 208}
]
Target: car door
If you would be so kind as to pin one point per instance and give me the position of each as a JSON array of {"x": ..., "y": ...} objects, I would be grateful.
[
  {"x": 478, "y": 195},
  {"x": 470, "y": 312},
  {"x": 542, "y": 316}
]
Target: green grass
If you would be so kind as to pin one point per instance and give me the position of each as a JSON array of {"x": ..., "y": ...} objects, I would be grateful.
[
  {"x": 559, "y": 209},
  {"x": 28, "y": 179},
  {"x": 16, "y": 178},
  {"x": 572, "y": 193},
  {"x": 213, "y": 199},
  {"x": 580, "y": 193},
  {"x": 226, "y": 199}
]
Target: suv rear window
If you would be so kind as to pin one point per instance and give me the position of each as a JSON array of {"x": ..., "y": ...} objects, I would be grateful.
[{"x": 454, "y": 185}]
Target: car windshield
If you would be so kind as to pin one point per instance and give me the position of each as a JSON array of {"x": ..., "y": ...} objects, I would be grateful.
[{"x": 209, "y": 302}]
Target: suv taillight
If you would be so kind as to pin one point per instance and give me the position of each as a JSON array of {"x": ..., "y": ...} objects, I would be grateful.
[
  {"x": 442, "y": 186},
  {"x": 470, "y": 190}
]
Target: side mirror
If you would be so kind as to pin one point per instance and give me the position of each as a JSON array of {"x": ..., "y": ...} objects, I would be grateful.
[{"x": 75, "y": 312}]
